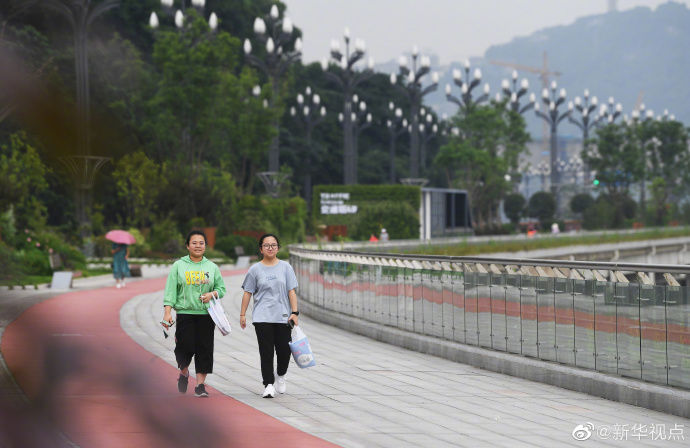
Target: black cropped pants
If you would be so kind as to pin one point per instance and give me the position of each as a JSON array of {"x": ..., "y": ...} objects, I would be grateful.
[
  {"x": 273, "y": 338},
  {"x": 194, "y": 339}
]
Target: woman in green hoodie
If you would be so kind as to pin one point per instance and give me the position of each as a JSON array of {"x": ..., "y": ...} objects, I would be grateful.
[{"x": 192, "y": 283}]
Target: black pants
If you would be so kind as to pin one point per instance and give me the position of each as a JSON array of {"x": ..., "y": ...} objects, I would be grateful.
[
  {"x": 194, "y": 338},
  {"x": 273, "y": 337}
]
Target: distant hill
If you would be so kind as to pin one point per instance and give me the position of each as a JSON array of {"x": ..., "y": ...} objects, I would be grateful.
[{"x": 619, "y": 54}]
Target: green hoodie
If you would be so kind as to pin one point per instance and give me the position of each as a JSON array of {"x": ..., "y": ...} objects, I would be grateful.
[{"x": 187, "y": 281}]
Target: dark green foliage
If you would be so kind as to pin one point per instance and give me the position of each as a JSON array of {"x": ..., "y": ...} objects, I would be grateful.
[
  {"x": 514, "y": 207},
  {"x": 400, "y": 220},
  {"x": 362, "y": 194},
  {"x": 165, "y": 238},
  {"x": 542, "y": 206},
  {"x": 227, "y": 245},
  {"x": 581, "y": 202}
]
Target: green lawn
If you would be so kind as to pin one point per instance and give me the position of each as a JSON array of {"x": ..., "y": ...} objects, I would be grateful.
[{"x": 469, "y": 248}]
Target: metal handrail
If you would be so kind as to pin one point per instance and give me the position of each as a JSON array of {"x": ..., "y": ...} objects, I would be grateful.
[{"x": 598, "y": 265}]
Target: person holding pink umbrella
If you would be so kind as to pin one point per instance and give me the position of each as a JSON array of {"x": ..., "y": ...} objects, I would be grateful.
[{"x": 121, "y": 241}]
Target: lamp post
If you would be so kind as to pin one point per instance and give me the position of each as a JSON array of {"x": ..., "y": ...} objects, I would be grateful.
[
  {"x": 427, "y": 130},
  {"x": 308, "y": 113},
  {"x": 514, "y": 92},
  {"x": 553, "y": 117},
  {"x": 588, "y": 120},
  {"x": 282, "y": 49},
  {"x": 359, "y": 120},
  {"x": 640, "y": 117},
  {"x": 179, "y": 14},
  {"x": 347, "y": 79},
  {"x": 465, "y": 101},
  {"x": 397, "y": 125},
  {"x": 83, "y": 165},
  {"x": 411, "y": 85}
]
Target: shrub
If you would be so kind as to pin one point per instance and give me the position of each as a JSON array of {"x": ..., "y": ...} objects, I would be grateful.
[
  {"x": 228, "y": 243},
  {"x": 398, "y": 218},
  {"x": 514, "y": 206},
  {"x": 165, "y": 238},
  {"x": 581, "y": 202},
  {"x": 542, "y": 206}
]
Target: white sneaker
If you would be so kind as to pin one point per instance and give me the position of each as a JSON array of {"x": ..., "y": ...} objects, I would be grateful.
[
  {"x": 118, "y": 286},
  {"x": 269, "y": 392},
  {"x": 281, "y": 385}
]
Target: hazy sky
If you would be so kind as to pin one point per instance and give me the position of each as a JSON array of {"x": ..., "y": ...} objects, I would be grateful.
[{"x": 452, "y": 29}]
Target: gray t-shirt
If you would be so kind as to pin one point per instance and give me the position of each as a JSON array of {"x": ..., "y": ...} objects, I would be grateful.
[{"x": 269, "y": 286}]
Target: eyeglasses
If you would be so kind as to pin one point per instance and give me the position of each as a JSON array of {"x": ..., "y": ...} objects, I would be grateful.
[{"x": 270, "y": 246}]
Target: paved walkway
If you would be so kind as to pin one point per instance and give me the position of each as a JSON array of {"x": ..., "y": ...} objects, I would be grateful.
[{"x": 105, "y": 390}]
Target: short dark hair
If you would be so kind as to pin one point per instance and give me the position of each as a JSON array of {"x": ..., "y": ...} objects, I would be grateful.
[
  {"x": 266, "y": 235},
  {"x": 195, "y": 232}
]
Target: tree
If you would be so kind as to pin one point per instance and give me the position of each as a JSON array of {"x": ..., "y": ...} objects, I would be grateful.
[
  {"x": 581, "y": 202},
  {"x": 22, "y": 179},
  {"x": 489, "y": 142},
  {"x": 139, "y": 182},
  {"x": 514, "y": 207},
  {"x": 542, "y": 206},
  {"x": 616, "y": 157}
]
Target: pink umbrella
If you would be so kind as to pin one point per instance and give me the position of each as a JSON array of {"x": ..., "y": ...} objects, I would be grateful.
[{"x": 120, "y": 236}]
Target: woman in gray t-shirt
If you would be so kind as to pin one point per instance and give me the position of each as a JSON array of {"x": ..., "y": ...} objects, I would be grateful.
[{"x": 272, "y": 283}]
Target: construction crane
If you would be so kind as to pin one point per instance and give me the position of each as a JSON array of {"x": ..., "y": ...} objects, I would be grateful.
[{"x": 544, "y": 75}]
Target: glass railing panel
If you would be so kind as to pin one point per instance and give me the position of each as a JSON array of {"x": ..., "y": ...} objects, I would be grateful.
[
  {"x": 497, "y": 297},
  {"x": 653, "y": 333},
  {"x": 546, "y": 319},
  {"x": 418, "y": 301},
  {"x": 528, "y": 313},
  {"x": 678, "y": 329},
  {"x": 436, "y": 296},
  {"x": 458, "y": 287},
  {"x": 628, "y": 329},
  {"x": 605, "y": 327},
  {"x": 427, "y": 294},
  {"x": 484, "y": 309},
  {"x": 565, "y": 320},
  {"x": 447, "y": 304},
  {"x": 471, "y": 323},
  {"x": 583, "y": 306},
  {"x": 408, "y": 307},
  {"x": 512, "y": 312}
]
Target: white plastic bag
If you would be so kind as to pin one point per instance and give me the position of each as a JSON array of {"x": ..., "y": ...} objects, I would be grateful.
[
  {"x": 300, "y": 348},
  {"x": 217, "y": 313}
]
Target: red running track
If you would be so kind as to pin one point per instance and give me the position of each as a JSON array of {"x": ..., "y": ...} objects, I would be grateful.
[{"x": 89, "y": 380}]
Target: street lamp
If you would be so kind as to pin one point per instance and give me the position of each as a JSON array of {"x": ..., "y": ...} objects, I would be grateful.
[
  {"x": 410, "y": 84},
  {"x": 465, "y": 101},
  {"x": 514, "y": 92},
  {"x": 397, "y": 125},
  {"x": 639, "y": 117},
  {"x": 347, "y": 79},
  {"x": 179, "y": 14},
  {"x": 359, "y": 119},
  {"x": 427, "y": 130},
  {"x": 83, "y": 166},
  {"x": 588, "y": 120},
  {"x": 282, "y": 49},
  {"x": 551, "y": 115},
  {"x": 309, "y": 113}
]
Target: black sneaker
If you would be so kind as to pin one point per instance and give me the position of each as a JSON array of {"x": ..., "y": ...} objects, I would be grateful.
[
  {"x": 182, "y": 382},
  {"x": 200, "y": 391}
]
